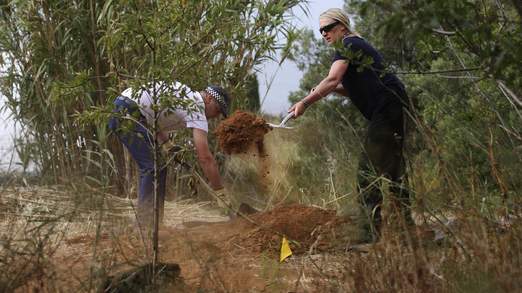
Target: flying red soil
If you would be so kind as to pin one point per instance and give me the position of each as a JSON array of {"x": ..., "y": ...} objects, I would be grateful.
[{"x": 240, "y": 131}]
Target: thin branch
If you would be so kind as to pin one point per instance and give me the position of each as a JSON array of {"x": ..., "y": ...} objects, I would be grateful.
[
  {"x": 510, "y": 96},
  {"x": 443, "y": 32},
  {"x": 440, "y": 71},
  {"x": 508, "y": 93},
  {"x": 459, "y": 77}
]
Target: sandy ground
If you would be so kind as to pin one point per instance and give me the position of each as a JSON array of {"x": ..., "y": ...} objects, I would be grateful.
[
  {"x": 51, "y": 241},
  {"x": 215, "y": 254}
]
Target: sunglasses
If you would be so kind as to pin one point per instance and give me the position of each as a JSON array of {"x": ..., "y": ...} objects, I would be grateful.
[{"x": 328, "y": 27}]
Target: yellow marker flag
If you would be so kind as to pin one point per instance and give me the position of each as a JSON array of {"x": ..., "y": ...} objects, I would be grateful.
[{"x": 285, "y": 250}]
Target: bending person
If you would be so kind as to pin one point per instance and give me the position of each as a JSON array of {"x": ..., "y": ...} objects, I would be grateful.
[
  {"x": 379, "y": 97},
  {"x": 132, "y": 121}
]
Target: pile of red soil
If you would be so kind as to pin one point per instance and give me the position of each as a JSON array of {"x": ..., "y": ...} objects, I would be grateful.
[
  {"x": 304, "y": 226},
  {"x": 240, "y": 131}
]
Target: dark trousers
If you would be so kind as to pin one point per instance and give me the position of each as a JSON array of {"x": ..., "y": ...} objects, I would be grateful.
[
  {"x": 129, "y": 127},
  {"x": 382, "y": 158}
]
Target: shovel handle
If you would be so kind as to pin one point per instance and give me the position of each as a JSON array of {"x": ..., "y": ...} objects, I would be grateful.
[{"x": 290, "y": 115}]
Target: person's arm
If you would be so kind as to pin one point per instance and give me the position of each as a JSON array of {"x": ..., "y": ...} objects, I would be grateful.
[
  {"x": 325, "y": 87},
  {"x": 206, "y": 159},
  {"x": 340, "y": 90}
]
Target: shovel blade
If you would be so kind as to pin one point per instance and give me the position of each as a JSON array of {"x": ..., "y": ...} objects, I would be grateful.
[{"x": 279, "y": 126}]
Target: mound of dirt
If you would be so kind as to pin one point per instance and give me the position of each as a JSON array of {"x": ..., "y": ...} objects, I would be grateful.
[
  {"x": 240, "y": 131},
  {"x": 306, "y": 227},
  {"x": 203, "y": 256}
]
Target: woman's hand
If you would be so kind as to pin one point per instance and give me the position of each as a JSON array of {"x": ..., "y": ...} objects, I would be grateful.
[{"x": 298, "y": 109}]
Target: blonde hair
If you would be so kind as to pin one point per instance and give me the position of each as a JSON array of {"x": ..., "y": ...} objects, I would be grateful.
[{"x": 340, "y": 16}]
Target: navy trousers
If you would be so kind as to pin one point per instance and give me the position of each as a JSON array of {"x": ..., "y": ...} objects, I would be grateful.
[
  {"x": 382, "y": 157},
  {"x": 130, "y": 127}
]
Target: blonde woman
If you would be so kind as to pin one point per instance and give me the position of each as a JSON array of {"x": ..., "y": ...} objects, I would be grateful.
[{"x": 357, "y": 71}]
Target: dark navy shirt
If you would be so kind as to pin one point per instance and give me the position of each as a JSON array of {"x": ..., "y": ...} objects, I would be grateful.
[{"x": 368, "y": 86}]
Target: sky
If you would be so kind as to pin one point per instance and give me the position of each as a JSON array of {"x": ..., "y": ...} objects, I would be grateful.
[
  {"x": 288, "y": 76},
  {"x": 7, "y": 132}
]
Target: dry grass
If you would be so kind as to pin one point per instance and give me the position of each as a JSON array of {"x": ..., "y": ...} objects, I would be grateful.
[
  {"x": 473, "y": 253},
  {"x": 39, "y": 224}
]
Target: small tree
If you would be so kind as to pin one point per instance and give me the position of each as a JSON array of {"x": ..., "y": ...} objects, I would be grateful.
[{"x": 66, "y": 60}]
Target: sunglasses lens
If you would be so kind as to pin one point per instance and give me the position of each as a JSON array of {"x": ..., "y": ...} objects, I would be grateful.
[{"x": 328, "y": 27}]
